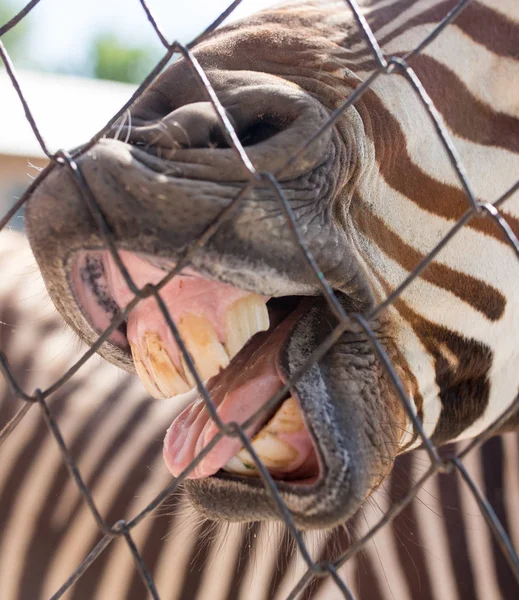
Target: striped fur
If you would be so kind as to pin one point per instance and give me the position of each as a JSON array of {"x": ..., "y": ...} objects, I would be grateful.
[
  {"x": 439, "y": 548},
  {"x": 457, "y": 325},
  {"x": 456, "y": 328},
  {"x": 462, "y": 313}
]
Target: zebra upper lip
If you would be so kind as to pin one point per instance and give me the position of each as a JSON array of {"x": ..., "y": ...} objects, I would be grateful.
[{"x": 242, "y": 369}]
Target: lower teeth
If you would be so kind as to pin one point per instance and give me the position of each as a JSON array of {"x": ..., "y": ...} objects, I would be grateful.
[{"x": 276, "y": 454}]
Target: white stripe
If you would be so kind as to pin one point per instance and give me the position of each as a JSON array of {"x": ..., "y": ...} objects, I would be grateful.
[
  {"x": 418, "y": 358},
  {"x": 381, "y": 549},
  {"x": 217, "y": 576},
  {"x": 173, "y": 563},
  {"x": 120, "y": 567},
  {"x": 462, "y": 253},
  {"x": 434, "y": 530},
  {"x": 508, "y": 8},
  {"x": 415, "y": 9},
  {"x": 427, "y": 151},
  {"x": 492, "y": 79},
  {"x": 477, "y": 531},
  {"x": 261, "y": 561},
  {"x": 315, "y": 541}
]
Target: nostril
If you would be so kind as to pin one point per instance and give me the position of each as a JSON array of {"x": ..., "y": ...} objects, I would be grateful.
[
  {"x": 190, "y": 126},
  {"x": 259, "y": 130},
  {"x": 257, "y": 114}
]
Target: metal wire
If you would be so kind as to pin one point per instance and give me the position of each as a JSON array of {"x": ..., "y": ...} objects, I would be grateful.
[{"x": 392, "y": 66}]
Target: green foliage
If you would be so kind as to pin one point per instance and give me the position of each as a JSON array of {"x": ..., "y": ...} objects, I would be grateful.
[
  {"x": 112, "y": 59},
  {"x": 108, "y": 56},
  {"x": 15, "y": 39}
]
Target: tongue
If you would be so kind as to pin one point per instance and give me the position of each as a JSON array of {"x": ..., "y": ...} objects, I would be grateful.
[{"x": 237, "y": 393}]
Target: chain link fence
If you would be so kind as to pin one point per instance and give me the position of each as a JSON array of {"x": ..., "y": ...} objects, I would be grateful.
[{"x": 386, "y": 66}]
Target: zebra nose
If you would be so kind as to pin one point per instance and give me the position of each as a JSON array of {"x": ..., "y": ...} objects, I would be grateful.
[
  {"x": 194, "y": 125},
  {"x": 271, "y": 120}
]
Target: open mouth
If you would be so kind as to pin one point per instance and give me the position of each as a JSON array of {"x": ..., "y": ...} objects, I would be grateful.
[{"x": 234, "y": 337}]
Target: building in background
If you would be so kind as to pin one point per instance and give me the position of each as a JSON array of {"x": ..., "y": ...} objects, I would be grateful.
[{"x": 67, "y": 110}]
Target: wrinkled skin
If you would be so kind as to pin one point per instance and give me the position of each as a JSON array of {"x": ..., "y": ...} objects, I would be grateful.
[{"x": 161, "y": 190}]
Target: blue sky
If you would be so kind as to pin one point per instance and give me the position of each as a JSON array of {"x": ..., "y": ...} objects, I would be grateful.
[{"x": 62, "y": 29}]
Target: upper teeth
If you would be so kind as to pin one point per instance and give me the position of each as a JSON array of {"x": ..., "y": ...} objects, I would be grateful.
[
  {"x": 243, "y": 319},
  {"x": 201, "y": 340},
  {"x": 156, "y": 369},
  {"x": 163, "y": 379}
]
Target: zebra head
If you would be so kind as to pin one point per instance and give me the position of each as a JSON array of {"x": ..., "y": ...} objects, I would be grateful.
[{"x": 371, "y": 196}]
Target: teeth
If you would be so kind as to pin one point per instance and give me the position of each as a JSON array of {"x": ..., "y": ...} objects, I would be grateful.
[
  {"x": 154, "y": 366},
  {"x": 157, "y": 371},
  {"x": 275, "y": 453},
  {"x": 201, "y": 340},
  {"x": 243, "y": 319},
  {"x": 187, "y": 372},
  {"x": 143, "y": 374}
]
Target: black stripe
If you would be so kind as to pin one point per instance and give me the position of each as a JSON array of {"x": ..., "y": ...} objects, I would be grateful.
[
  {"x": 287, "y": 553},
  {"x": 483, "y": 297},
  {"x": 477, "y": 122},
  {"x": 491, "y": 29},
  {"x": 206, "y": 534},
  {"x": 494, "y": 471},
  {"x": 386, "y": 15},
  {"x": 368, "y": 584},
  {"x": 408, "y": 540},
  {"x": 156, "y": 542},
  {"x": 397, "y": 168},
  {"x": 455, "y": 527},
  {"x": 336, "y": 544},
  {"x": 246, "y": 552},
  {"x": 10, "y": 498}
]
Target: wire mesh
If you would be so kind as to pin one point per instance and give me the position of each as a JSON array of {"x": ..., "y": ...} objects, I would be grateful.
[{"x": 386, "y": 66}]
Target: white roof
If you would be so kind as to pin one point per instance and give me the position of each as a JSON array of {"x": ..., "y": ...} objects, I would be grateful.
[{"x": 68, "y": 110}]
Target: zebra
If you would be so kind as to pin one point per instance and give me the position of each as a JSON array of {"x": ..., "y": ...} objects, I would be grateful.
[
  {"x": 439, "y": 547},
  {"x": 370, "y": 199}
]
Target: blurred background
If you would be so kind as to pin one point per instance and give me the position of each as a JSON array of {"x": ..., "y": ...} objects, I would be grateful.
[{"x": 78, "y": 62}]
